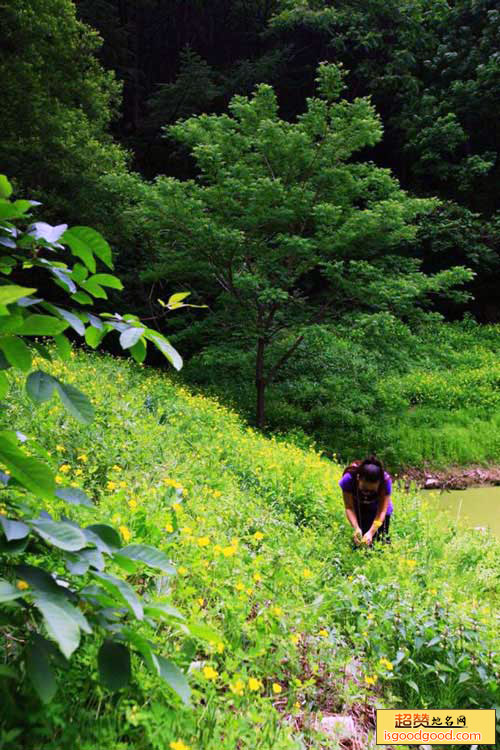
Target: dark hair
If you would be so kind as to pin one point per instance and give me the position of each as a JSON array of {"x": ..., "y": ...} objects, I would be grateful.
[{"x": 372, "y": 470}]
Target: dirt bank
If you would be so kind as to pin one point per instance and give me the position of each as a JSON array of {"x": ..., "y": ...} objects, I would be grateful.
[{"x": 453, "y": 478}]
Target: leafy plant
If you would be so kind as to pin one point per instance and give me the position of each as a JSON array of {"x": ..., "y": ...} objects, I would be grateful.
[{"x": 62, "y": 579}]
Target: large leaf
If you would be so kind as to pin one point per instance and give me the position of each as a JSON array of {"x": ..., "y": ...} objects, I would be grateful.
[
  {"x": 75, "y": 496},
  {"x": 114, "y": 665},
  {"x": 40, "y": 385},
  {"x": 107, "y": 534},
  {"x": 42, "y": 230},
  {"x": 42, "y": 325},
  {"x": 72, "y": 319},
  {"x": 16, "y": 352},
  {"x": 106, "y": 279},
  {"x": 60, "y": 534},
  {"x": 62, "y": 620},
  {"x": 39, "y": 579},
  {"x": 63, "y": 347},
  {"x": 138, "y": 351},
  {"x": 167, "y": 349},
  {"x": 8, "y": 592},
  {"x": 14, "y": 529},
  {"x": 149, "y": 555},
  {"x": 11, "y": 293},
  {"x": 176, "y": 679},
  {"x": 4, "y": 385},
  {"x": 124, "y": 591},
  {"x": 130, "y": 337},
  {"x": 94, "y": 336},
  {"x": 40, "y": 670},
  {"x": 5, "y": 187},
  {"x": 75, "y": 402},
  {"x": 163, "y": 610},
  {"x": 29, "y": 472},
  {"x": 93, "y": 288},
  {"x": 85, "y": 243}
]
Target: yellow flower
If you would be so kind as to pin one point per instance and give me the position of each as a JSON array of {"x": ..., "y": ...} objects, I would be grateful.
[
  {"x": 411, "y": 563},
  {"x": 78, "y": 472},
  {"x": 210, "y": 673},
  {"x": 386, "y": 663},
  {"x": 277, "y": 611},
  {"x": 258, "y": 535},
  {"x": 182, "y": 571},
  {"x": 186, "y": 530},
  {"x": 83, "y": 458},
  {"x": 217, "y": 493},
  {"x": 203, "y": 541},
  {"x": 307, "y": 573},
  {"x": 122, "y": 484},
  {"x": 116, "y": 468},
  {"x": 371, "y": 680},
  {"x": 220, "y": 647},
  {"x": 60, "y": 448},
  {"x": 126, "y": 534},
  {"x": 22, "y": 585},
  {"x": 65, "y": 468},
  {"x": 176, "y": 507},
  {"x": 369, "y": 616},
  {"x": 237, "y": 687},
  {"x": 169, "y": 528},
  {"x": 277, "y": 688},
  {"x": 296, "y": 705},
  {"x": 254, "y": 684},
  {"x": 132, "y": 503},
  {"x": 295, "y": 638},
  {"x": 179, "y": 745},
  {"x": 323, "y": 632},
  {"x": 257, "y": 577},
  {"x": 59, "y": 479},
  {"x": 249, "y": 592},
  {"x": 229, "y": 551},
  {"x": 239, "y": 586},
  {"x": 201, "y": 601},
  {"x": 111, "y": 485},
  {"x": 433, "y": 592}
]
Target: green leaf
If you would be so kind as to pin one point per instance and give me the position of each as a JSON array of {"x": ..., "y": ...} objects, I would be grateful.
[
  {"x": 93, "y": 336},
  {"x": 204, "y": 632},
  {"x": 40, "y": 386},
  {"x": 130, "y": 337},
  {"x": 167, "y": 349},
  {"x": 39, "y": 579},
  {"x": 176, "y": 679},
  {"x": 108, "y": 534},
  {"x": 42, "y": 350},
  {"x": 124, "y": 591},
  {"x": 60, "y": 534},
  {"x": 29, "y": 472},
  {"x": 94, "y": 289},
  {"x": 5, "y": 187},
  {"x": 149, "y": 555},
  {"x": 63, "y": 347},
  {"x": 4, "y": 385},
  {"x": 79, "y": 273},
  {"x": 39, "y": 669},
  {"x": 106, "y": 279},
  {"x": 163, "y": 610},
  {"x": 413, "y": 685},
  {"x": 138, "y": 351},
  {"x": 176, "y": 298},
  {"x": 61, "y": 620},
  {"x": 14, "y": 529},
  {"x": 16, "y": 352},
  {"x": 114, "y": 665},
  {"x": 8, "y": 672},
  {"x": 74, "y": 495},
  {"x": 42, "y": 325},
  {"x": 72, "y": 319},
  {"x": 11, "y": 293},
  {"x": 82, "y": 298},
  {"x": 463, "y": 677},
  {"x": 88, "y": 241},
  {"x": 8, "y": 592},
  {"x": 76, "y": 402}
]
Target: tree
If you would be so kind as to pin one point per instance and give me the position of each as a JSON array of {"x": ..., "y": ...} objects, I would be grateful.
[{"x": 280, "y": 209}]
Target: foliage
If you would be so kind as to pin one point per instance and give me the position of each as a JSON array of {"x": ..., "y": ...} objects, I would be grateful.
[
  {"x": 267, "y": 567},
  {"x": 60, "y": 575}
]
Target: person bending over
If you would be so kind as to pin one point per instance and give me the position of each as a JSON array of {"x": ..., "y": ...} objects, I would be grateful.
[{"x": 366, "y": 488}]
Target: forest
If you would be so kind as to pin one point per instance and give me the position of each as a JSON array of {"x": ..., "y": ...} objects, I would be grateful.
[{"x": 278, "y": 221}]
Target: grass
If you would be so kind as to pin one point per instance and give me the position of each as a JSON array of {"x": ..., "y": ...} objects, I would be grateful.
[{"x": 257, "y": 530}]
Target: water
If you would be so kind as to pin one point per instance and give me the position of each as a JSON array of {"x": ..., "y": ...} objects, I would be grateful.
[{"x": 476, "y": 506}]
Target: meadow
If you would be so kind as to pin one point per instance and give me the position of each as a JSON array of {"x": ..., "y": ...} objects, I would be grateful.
[{"x": 286, "y": 621}]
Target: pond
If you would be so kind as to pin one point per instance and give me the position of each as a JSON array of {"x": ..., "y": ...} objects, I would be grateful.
[{"x": 475, "y": 506}]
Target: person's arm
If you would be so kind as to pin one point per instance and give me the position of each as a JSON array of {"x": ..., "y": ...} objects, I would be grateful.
[
  {"x": 378, "y": 520},
  {"x": 351, "y": 514}
]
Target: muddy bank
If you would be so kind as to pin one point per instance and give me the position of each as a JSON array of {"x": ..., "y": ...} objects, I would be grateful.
[{"x": 453, "y": 478}]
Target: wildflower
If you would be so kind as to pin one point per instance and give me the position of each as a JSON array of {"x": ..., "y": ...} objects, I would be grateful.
[
  {"x": 277, "y": 688},
  {"x": 217, "y": 493},
  {"x": 22, "y": 585},
  {"x": 179, "y": 745},
  {"x": 295, "y": 638},
  {"x": 200, "y": 601},
  {"x": 111, "y": 485},
  {"x": 132, "y": 503},
  {"x": 65, "y": 468},
  {"x": 78, "y": 472},
  {"x": 220, "y": 647},
  {"x": 254, "y": 684},
  {"x": 386, "y": 663},
  {"x": 122, "y": 484},
  {"x": 257, "y": 577},
  {"x": 411, "y": 563},
  {"x": 82, "y": 458},
  {"x": 369, "y": 616},
  {"x": 296, "y": 705},
  {"x": 237, "y": 687},
  {"x": 203, "y": 541},
  {"x": 433, "y": 592},
  {"x": 60, "y": 448},
  {"x": 249, "y": 592},
  {"x": 370, "y": 680},
  {"x": 210, "y": 673},
  {"x": 323, "y": 632},
  {"x": 239, "y": 586},
  {"x": 125, "y": 532},
  {"x": 306, "y": 573},
  {"x": 258, "y": 535},
  {"x": 116, "y": 468},
  {"x": 169, "y": 528},
  {"x": 277, "y": 611},
  {"x": 229, "y": 551},
  {"x": 176, "y": 507},
  {"x": 59, "y": 479}
]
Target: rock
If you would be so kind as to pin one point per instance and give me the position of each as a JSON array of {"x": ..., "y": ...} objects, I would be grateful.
[
  {"x": 335, "y": 725},
  {"x": 432, "y": 484}
]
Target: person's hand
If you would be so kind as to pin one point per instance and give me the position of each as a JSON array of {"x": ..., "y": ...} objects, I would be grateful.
[
  {"x": 367, "y": 538},
  {"x": 357, "y": 536}
]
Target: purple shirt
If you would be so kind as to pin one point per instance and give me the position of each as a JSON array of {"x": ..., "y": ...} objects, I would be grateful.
[{"x": 347, "y": 485}]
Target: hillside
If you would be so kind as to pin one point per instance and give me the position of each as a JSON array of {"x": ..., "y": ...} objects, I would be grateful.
[{"x": 291, "y": 621}]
